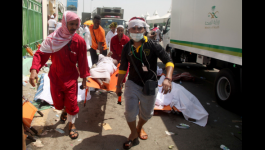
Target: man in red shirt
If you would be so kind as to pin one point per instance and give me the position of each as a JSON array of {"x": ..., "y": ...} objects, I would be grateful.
[
  {"x": 66, "y": 48},
  {"x": 116, "y": 45}
]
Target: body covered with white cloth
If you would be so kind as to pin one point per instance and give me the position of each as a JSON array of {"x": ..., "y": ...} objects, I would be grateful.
[{"x": 184, "y": 101}]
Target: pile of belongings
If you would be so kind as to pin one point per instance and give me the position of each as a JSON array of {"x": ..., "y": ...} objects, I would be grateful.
[
  {"x": 184, "y": 101},
  {"x": 185, "y": 76}
]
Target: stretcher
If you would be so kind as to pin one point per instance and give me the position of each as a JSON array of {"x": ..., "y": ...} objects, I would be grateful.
[
  {"x": 27, "y": 116},
  {"x": 110, "y": 87},
  {"x": 167, "y": 108}
]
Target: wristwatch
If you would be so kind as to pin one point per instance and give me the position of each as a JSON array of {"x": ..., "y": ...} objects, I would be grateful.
[{"x": 119, "y": 86}]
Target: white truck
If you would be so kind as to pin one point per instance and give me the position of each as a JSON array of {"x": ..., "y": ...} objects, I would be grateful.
[{"x": 210, "y": 33}]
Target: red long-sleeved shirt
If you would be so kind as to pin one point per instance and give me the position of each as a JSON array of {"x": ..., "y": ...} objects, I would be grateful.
[
  {"x": 64, "y": 61},
  {"x": 116, "y": 46}
]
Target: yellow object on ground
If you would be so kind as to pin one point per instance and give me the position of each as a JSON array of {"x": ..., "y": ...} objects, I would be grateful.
[{"x": 106, "y": 126}]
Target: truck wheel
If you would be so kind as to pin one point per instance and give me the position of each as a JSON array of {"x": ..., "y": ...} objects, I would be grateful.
[{"x": 226, "y": 89}]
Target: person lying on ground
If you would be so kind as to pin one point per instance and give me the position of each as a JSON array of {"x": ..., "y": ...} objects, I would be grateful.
[{"x": 103, "y": 69}]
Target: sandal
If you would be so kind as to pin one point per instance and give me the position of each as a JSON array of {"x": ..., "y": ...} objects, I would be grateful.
[
  {"x": 143, "y": 132},
  {"x": 62, "y": 116},
  {"x": 70, "y": 135},
  {"x": 131, "y": 143}
]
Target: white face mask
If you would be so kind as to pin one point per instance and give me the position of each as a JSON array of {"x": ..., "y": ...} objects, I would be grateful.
[{"x": 136, "y": 36}]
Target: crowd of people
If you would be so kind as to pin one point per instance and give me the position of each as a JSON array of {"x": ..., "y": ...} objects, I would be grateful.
[{"x": 137, "y": 55}]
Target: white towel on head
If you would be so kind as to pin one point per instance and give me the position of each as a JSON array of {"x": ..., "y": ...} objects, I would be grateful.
[{"x": 120, "y": 26}]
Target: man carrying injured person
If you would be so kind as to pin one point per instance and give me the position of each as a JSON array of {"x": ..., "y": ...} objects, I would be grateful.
[
  {"x": 66, "y": 48},
  {"x": 103, "y": 69}
]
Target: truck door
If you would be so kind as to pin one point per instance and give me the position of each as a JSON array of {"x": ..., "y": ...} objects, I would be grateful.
[{"x": 166, "y": 34}]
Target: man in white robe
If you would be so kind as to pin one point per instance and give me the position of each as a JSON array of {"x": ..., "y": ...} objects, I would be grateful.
[{"x": 87, "y": 37}]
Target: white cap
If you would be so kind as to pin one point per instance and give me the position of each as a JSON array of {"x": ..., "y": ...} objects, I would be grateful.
[
  {"x": 120, "y": 26},
  {"x": 52, "y": 16}
]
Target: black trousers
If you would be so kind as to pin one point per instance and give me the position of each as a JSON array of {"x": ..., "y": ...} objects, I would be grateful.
[{"x": 94, "y": 56}]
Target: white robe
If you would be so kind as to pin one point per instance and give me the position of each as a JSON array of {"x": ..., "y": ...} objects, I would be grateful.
[
  {"x": 81, "y": 30},
  {"x": 184, "y": 101},
  {"x": 105, "y": 68},
  {"x": 87, "y": 37},
  {"x": 109, "y": 35}
]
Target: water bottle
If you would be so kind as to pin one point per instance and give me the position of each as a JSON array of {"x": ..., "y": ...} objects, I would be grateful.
[{"x": 224, "y": 147}]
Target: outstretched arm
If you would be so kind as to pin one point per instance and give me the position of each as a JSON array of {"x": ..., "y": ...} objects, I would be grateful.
[{"x": 39, "y": 60}]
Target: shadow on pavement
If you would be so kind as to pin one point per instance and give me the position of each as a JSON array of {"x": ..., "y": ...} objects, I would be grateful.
[
  {"x": 99, "y": 142},
  {"x": 88, "y": 119}
]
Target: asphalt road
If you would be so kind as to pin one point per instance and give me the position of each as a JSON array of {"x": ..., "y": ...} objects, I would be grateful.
[
  {"x": 220, "y": 124},
  {"x": 103, "y": 109}
]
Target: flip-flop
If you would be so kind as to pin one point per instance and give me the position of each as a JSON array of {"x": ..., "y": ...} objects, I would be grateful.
[
  {"x": 70, "y": 135},
  {"x": 140, "y": 135},
  {"x": 131, "y": 143}
]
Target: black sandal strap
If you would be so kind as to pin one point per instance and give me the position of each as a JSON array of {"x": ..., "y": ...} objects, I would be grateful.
[
  {"x": 62, "y": 116},
  {"x": 73, "y": 130},
  {"x": 128, "y": 142}
]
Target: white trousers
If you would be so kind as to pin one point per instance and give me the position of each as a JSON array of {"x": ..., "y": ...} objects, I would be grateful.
[{"x": 71, "y": 118}]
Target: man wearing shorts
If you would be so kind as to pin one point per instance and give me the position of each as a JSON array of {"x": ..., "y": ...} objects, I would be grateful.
[{"x": 144, "y": 53}]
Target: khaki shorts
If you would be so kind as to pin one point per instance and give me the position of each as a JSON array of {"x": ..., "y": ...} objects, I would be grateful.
[{"x": 132, "y": 95}]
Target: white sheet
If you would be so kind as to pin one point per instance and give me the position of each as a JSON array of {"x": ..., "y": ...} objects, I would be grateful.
[
  {"x": 184, "y": 101},
  {"x": 89, "y": 61},
  {"x": 87, "y": 37},
  {"x": 46, "y": 94},
  {"x": 159, "y": 71},
  {"x": 105, "y": 68}
]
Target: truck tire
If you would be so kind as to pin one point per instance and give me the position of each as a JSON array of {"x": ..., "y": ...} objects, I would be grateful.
[{"x": 225, "y": 88}]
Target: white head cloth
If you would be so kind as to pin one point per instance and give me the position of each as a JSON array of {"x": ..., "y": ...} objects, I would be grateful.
[
  {"x": 52, "y": 16},
  {"x": 120, "y": 26},
  {"x": 61, "y": 36},
  {"x": 139, "y": 23}
]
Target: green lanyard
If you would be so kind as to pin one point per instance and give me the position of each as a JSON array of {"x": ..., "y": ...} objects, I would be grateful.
[{"x": 140, "y": 53}]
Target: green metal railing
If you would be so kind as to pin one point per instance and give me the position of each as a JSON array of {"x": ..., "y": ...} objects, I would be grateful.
[{"x": 31, "y": 24}]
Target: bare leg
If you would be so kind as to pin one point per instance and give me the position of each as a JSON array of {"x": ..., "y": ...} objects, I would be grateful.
[
  {"x": 140, "y": 129},
  {"x": 106, "y": 80},
  {"x": 99, "y": 81},
  {"x": 106, "y": 83},
  {"x": 134, "y": 134}
]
